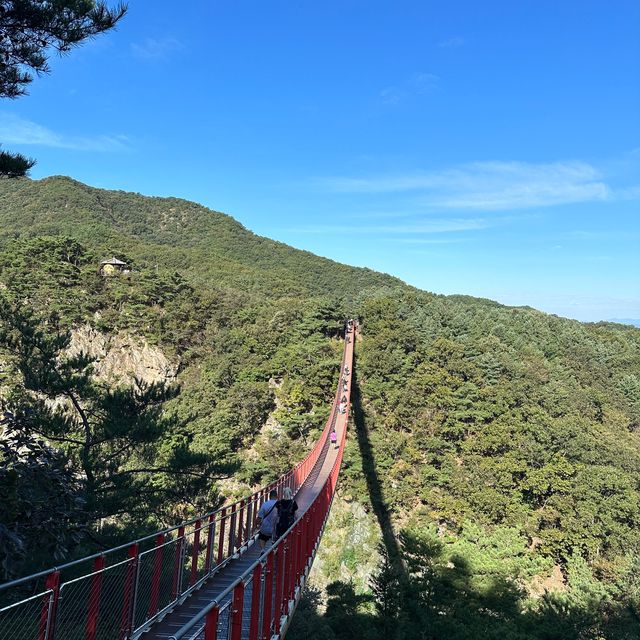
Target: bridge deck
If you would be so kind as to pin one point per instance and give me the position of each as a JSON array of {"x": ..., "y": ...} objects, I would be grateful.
[{"x": 198, "y": 600}]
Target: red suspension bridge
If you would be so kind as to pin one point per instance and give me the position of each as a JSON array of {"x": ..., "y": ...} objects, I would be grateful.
[{"x": 204, "y": 579}]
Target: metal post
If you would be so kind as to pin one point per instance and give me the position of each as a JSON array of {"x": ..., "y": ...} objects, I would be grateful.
[
  {"x": 256, "y": 582},
  {"x": 286, "y": 587},
  {"x": 177, "y": 565},
  {"x": 211, "y": 624},
  {"x": 263, "y": 499},
  {"x": 155, "y": 580},
  {"x": 232, "y": 531},
  {"x": 239, "y": 536},
  {"x": 298, "y": 563},
  {"x": 49, "y": 606},
  {"x": 223, "y": 522},
  {"x": 94, "y": 598},
  {"x": 236, "y": 611},
  {"x": 268, "y": 597},
  {"x": 194, "y": 553},
  {"x": 282, "y": 553},
  {"x": 211, "y": 536},
  {"x": 250, "y": 511},
  {"x": 258, "y": 504},
  {"x": 293, "y": 559},
  {"x": 304, "y": 542},
  {"x": 314, "y": 525},
  {"x": 308, "y": 536},
  {"x": 129, "y": 595}
]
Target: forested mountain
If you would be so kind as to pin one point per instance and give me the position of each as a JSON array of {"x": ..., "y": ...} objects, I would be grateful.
[
  {"x": 175, "y": 234},
  {"x": 502, "y": 448},
  {"x": 495, "y": 451}
]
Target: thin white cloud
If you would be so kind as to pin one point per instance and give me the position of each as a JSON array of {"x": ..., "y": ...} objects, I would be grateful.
[
  {"x": 384, "y": 215},
  {"x": 421, "y": 241},
  {"x": 451, "y": 43},
  {"x": 594, "y": 307},
  {"x": 487, "y": 186},
  {"x": 628, "y": 193},
  {"x": 426, "y": 226},
  {"x": 17, "y": 130},
  {"x": 625, "y": 235},
  {"x": 392, "y": 95},
  {"x": 422, "y": 83},
  {"x": 417, "y": 84},
  {"x": 155, "y": 48}
]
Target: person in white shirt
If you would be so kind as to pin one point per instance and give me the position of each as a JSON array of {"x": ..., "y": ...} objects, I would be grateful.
[{"x": 267, "y": 518}]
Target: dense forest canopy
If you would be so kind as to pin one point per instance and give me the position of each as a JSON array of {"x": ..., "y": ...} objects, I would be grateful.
[{"x": 497, "y": 448}]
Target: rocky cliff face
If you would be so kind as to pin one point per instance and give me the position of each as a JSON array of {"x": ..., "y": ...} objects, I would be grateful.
[
  {"x": 122, "y": 358},
  {"x": 119, "y": 360}
]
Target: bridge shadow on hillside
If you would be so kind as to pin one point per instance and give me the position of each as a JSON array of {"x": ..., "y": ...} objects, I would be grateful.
[
  {"x": 420, "y": 592},
  {"x": 374, "y": 486},
  {"x": 444, "y": 599}
]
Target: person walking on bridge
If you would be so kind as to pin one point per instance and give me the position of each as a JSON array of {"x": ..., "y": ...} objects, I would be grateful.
[
  {"x": 267, "y": 518},
  {"x": 287, "y": 508}
]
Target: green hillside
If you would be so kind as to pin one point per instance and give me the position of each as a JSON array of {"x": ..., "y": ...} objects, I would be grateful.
[
  {"x": 495, "y": 450},
  {"x": 206, "y": 246},
  {"x": 502, "y": 448}
]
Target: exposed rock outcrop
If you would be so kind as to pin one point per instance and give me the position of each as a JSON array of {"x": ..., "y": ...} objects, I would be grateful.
[
  {"x": 553, "y": 583},
  {"x": 121, "y": 358}
]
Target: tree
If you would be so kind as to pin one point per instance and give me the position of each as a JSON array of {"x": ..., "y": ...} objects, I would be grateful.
[
  {"x": 14, "y": 165},
  {"x": 29, "y": 31},
  {"x": 42, "y": 515},
  {"x": 132, "y": 458},
  {"x": 387, "y": 588}
]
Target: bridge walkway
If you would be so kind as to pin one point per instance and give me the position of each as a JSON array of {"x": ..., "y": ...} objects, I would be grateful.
[{"x": 167, "y": 627}]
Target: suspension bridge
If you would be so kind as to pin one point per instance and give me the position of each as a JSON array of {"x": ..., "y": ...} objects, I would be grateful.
[{"x": 205, "y": 579}]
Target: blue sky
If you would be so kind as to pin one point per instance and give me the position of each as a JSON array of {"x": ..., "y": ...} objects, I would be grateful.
[{"x": 489, "y": 149}]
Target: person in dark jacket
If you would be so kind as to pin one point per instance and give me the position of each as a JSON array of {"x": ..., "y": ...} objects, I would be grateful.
[{"x": 287, "y": 508}]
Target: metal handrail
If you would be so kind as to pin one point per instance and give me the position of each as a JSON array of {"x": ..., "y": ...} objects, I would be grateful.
[{"x": 221, "y": 599}]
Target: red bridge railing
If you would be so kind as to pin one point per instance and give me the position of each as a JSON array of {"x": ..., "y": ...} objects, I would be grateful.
[
  {"x": 259, "y": 605},
  {"x": 120, "y": 592}
]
